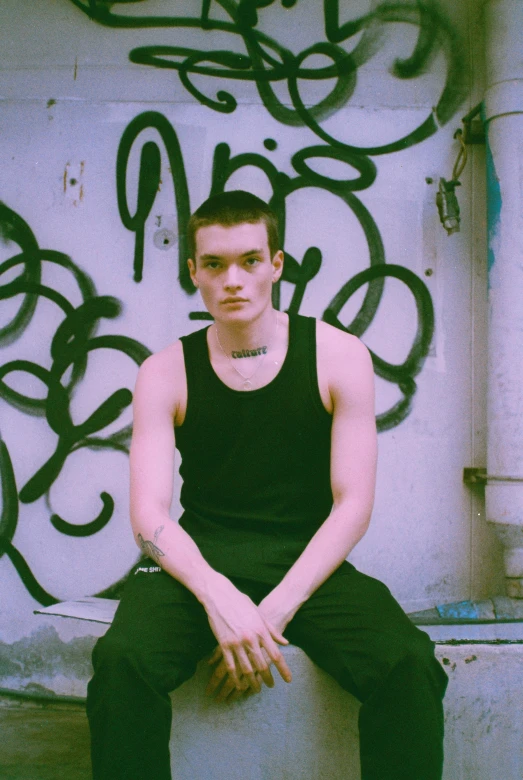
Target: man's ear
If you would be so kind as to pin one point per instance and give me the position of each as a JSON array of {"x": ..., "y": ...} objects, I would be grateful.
[
  {"x": 192, "y": 271},
  {"x": 277, "y": 264}
]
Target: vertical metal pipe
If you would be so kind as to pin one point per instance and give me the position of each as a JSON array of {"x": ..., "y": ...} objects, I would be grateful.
[{"x": 504, "y": 117}]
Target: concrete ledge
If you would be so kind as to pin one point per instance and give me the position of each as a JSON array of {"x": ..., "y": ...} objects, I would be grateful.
[
  {"x": 308, "y": 730},
  {"x": 305, "y": 730}
]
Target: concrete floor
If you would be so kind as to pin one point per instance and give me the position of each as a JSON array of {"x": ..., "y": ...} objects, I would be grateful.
[{"x": 43, "y": 742}]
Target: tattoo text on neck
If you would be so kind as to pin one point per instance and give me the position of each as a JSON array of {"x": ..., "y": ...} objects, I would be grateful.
[{"x": 243, "y": 353}]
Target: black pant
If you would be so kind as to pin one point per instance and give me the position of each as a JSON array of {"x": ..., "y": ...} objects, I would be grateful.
[{"x": 351, "y": 627}]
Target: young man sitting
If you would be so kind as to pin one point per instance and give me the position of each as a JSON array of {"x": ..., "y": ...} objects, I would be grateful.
[{"x": 273, "y": 415}]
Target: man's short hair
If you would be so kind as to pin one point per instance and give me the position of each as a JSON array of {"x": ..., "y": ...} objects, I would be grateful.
[{"x": 233, "y": 208}]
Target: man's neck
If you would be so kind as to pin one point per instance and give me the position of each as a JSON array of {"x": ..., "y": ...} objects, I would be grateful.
[{"x": 237, "y": 339}]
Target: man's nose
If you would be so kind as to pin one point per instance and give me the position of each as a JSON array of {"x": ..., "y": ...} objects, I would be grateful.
[{"x": 232, "y": 278}]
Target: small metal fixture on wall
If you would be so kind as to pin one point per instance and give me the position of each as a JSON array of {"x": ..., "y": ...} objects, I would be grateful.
[{"x": 446, "y": 199}]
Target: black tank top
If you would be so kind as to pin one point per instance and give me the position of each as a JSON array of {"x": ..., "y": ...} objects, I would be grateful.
[{"x": 255, "y": 464}]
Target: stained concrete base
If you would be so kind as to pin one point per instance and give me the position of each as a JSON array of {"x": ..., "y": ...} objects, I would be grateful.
[{"x": 304, "y": 730}]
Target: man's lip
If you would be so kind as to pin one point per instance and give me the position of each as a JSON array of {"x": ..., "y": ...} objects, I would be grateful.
[{"x": 235, "y": 300}]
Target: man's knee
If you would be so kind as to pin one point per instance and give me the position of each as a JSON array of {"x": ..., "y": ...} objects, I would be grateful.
[
  {"x": 119, "y": 660},
  {"x": 417, "y": 662}
]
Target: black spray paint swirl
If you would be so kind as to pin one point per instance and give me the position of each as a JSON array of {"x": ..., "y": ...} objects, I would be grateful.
[
  {"x": 266, "y": 61},
  {"x": 71, "y": 344}
]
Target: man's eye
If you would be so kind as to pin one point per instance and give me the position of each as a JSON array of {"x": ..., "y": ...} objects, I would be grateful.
[
  {"x": 252, "y": 260},
  {"x": 212, "y": 264}
]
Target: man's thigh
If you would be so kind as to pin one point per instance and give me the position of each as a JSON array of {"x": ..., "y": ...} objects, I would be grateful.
[
  {"x": 354, "y": 629},
  {"x": 160, "y": 624}
]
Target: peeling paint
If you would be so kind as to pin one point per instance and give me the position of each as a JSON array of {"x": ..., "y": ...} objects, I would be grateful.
[
  {"x": 44, "y": 654},
  {"x": 35, "y": 689}
]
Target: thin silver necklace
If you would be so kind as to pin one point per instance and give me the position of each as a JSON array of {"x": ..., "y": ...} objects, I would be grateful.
[{"x": 247, "y": 384}]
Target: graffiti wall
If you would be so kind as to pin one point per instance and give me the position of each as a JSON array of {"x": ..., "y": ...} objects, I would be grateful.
[{"x": 118, "y": 119}]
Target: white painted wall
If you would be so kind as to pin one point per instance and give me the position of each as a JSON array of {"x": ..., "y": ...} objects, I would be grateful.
[{"x": 68, "y": 92}]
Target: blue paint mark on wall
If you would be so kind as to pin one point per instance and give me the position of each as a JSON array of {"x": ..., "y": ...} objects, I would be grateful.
[{"x": 493, "y": 205}]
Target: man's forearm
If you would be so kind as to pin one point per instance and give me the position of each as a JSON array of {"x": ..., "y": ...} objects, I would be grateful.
[
  {"x": 239, "y": 627},
  {"x": 164, "y": 541},
  {"x": 325, "y": 552}
]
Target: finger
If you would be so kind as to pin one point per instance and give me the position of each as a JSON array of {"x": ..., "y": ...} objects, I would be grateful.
[
  {"x": 230, "y": 664},
  {"x": 236, "y": 694},
  {"x": 226, "y": 690},
  {"x": 285, "y": 672},
  {"x": 215, "y": 656},
  {"x": 243, "y": 694},
  {"x": 268, "y": 662},
  {"x": 278, "y": 660},
  {"x": 275, "y": 634},
  {"x": 251, "y": 691},
  {"x": 219, "y": 674},
  {"x": 246, "y": 667},
  {"x": 260, "y": 665},
  {"x": 266, "y": 677}
]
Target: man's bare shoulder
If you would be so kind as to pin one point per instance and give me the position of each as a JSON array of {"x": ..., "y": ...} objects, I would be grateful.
[
  {"x": 161, "y": 377},
  {"x": 337, "y": 345},
  {"x": 344, "y": 367},
  {"x": 165, "y": 363}
]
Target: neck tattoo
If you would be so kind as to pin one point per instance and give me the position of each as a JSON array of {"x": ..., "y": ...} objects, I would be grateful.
[
  {"x": 247, "y": 384},
  {"x": 249, "y": 352}
]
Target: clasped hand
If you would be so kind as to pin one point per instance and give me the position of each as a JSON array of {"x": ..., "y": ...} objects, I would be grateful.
[{"x": 248, "y": 642}]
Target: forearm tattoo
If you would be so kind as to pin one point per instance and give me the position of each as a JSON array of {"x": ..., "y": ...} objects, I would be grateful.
[{"x": 151, "y": 549}]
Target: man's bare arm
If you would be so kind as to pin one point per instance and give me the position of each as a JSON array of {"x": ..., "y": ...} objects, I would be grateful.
[
  {"x": 151, "y": 479},
  {"x": 353, "y": 477},
  {"x": 241, "y": 631}
]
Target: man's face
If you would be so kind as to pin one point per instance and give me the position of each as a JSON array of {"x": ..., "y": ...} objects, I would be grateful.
[{"x": 234, "y": 270}]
